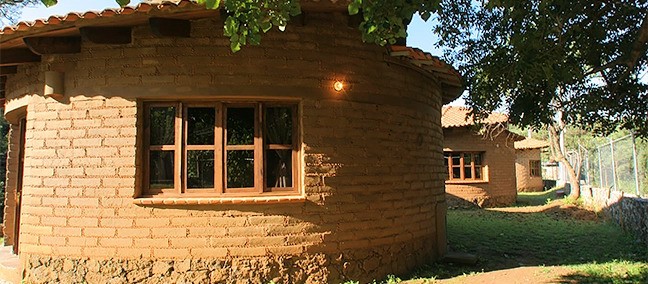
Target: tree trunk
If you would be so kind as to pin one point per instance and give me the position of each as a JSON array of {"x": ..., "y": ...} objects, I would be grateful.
[{"x": 559, "y": 156}]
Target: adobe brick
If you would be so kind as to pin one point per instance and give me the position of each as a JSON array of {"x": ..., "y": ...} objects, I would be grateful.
[
  {"x": 77, "y": 162},
  {"x": 72, "y": 114},
  {"x": 86, "y": 123},
  {"x": 206, "y": 231},
  {"x": 102, "y": 113},
  {"x": 189, "y": 242},
  {"x": 119, "y": 141},
  {"x": 38, "y": 230},
  {"x": 131, "y": 252},
  {"x": 168, "y": 232},
  {"x": 72, "y": 153},
  {"x": 116, "y": 242},
  {"x": 103, "y": 132},
  {"x": 116, "y": 122},
  {"x": 116, "y": 222},
  {"x": 266, "y": 241},
  {"x": 151, "y": 242},
  {"x": 84, "y": 222},
  {"x": 245, "y": 231},
  {"x": 152, "y": 222},
  {"x": 118, "y": 182},
  {"x": 247, "y": 252},
  {"x": 51, "y": 240},
  {"x": 99, "y": 232},
  {"x": 58, "y": 124},
  {"x": 85, "y": 182},
  {"x": 87, "y": 142},
  {"x": 67, "y": 231},
  {"x": 63, "y": 172},
  {"x": 53, "y": 221},
  {"x": 35, "y": 249},
  {"x": 55, "y": 201},
  {"x": 174, "y": 253},
  {"x": 208, "y": 252},
  {"x": 99, "y": 252},
  {"x": 84, "y": 201},
  {"x": 227, "y": 242},
  {"x": 101, "y": 152},
  {"x": 134, "y": 232},
  {"x": 103, "y": 171},
  {"x": 262, "y": 220},
  {"x": 38, "y": 210}
]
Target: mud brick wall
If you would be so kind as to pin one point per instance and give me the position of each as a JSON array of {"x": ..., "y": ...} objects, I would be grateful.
[
  {"x": 372, "y": 178},
  {"x": 628, "y": 211},
  {"x": 498, "y": 187},
  {"x": 525, "y": 182}
]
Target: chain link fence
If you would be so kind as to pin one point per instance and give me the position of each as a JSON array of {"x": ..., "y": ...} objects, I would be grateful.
[{"x": 618, "y": 165}]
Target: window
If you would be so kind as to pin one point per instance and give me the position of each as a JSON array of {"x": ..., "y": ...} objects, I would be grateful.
[
  {"x": 534, "y": 168},
  {"x": 211, "y": 149},
  {"x": 464, "y": 165}
]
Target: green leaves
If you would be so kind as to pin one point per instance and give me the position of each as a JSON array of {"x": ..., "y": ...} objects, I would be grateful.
[
  {"x": 354, "y": 7},
  {"x": 49, "y": 3},
  {"x": 123, "y": 3},
  {"x": 210, "y": 4}
]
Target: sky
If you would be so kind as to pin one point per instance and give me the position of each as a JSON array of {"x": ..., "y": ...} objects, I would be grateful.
[{"x": 419, "y": 32}]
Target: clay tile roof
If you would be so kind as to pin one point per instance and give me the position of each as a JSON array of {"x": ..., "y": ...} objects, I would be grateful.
[
  {"x": 530, "y": 143},
  {"x": 453, "y": 116},
  {"x": 452, "y": 82},
  {"x": 107, "y": 13}
]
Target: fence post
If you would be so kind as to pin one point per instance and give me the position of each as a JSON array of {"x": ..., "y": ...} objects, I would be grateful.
[
  {"x": 614, "y": 174},
  {"x": 598, "y": 150},
  {"x": 634, "y": 158}
]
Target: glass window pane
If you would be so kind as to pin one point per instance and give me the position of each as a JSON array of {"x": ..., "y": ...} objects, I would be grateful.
[
  {"x": 478, "y": 159},
  {"x": 240, "y": 169},
  {"x": 478, "y": 172},
  {"x": 162, "y": 125},
  {"x": 467, "y": 159},
  {"x": 161, "y": 169},
  {"x": 279, "y": 168},
  {"x": 200, "y": 121},
  {"x": 456, "y": 172},
  {"x": 200, "y": 169},
  {"x": 467, "y": 172},
  {"x": 456, "y": 159},
  {"x": 279, "y": 125},
  {"x": 240, "y": 126}
]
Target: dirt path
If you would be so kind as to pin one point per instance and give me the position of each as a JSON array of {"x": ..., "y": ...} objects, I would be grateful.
[{"x": 520, "y": 275}]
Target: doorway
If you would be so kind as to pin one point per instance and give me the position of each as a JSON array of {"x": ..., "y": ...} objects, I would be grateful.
[{"x": 19, "y": 184}]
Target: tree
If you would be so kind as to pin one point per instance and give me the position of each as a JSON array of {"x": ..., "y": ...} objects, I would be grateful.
[
  {"x": 10, "y": 9},
  {"x": 553, "y": 63}
]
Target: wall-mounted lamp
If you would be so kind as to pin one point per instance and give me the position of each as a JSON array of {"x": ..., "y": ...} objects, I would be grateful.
[
  {"x": 54, "y": 85},
  {"x": 338, "y": 86}
]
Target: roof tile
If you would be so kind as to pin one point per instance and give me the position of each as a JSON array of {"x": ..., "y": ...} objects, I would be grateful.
[{"x": 453, "y": 116}]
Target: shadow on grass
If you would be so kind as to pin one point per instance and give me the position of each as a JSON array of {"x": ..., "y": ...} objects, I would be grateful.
[
  {"x": 577, "y": 278},
  {"x": 553, "y": 234}
]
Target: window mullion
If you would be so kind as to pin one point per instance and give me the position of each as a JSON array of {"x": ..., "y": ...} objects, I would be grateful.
[
  {"x": 219, "y": 141},
  {"x": 258, "y": 149},
  {"x": 462, "y": 174},
  {"x": 178, "y": 171}
]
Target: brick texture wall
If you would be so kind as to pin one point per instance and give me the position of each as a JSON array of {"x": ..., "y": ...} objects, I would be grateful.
[
  {"x": 373, "y": 174},
  {"x": 525, "y": 182},
  {"x": 499, "y": 159}
]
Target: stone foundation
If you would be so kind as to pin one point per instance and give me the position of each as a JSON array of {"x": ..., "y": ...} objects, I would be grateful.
[{"x": 307, "y": 268}]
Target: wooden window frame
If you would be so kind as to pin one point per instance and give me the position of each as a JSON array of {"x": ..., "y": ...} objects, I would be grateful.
[
  {"x": 462, "y": 166},
  {"x": 220, "y": 149},
  {"x": 535, "y": 168}
]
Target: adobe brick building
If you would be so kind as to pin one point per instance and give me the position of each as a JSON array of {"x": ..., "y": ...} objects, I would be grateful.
[
  {"x": 528, "y": 164},
  {"x": 480, "y": 162},
  {"x": 143, "y": 150}
]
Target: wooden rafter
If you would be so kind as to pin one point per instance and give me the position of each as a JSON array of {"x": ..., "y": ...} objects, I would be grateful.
[
  {"x": 164, "y": 27},
  {"x": 8, "y": 70},
  {"x": 107, "y": 35},
  {"x": 17, "y": 56},
  {"x": 53, "y": 45}
]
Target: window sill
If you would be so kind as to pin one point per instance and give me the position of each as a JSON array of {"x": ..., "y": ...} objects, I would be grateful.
[
  {"x": 465, "y": 181},
  {"x": 144, "y": 201}
]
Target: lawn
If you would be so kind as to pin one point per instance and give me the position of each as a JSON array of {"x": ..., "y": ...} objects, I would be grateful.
[{"x": 551, "y": 234}]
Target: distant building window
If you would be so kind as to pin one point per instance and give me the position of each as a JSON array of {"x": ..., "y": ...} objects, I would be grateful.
[
  {"x": 464, "y": 165},
  {"x": 216, "y": 148},
  {"x": 534, "y": 168}
]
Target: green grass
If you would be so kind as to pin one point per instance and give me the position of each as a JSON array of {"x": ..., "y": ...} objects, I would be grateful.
[
  {"x": 537, "y": 198},
  {"x": 598, "y": 251}
]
